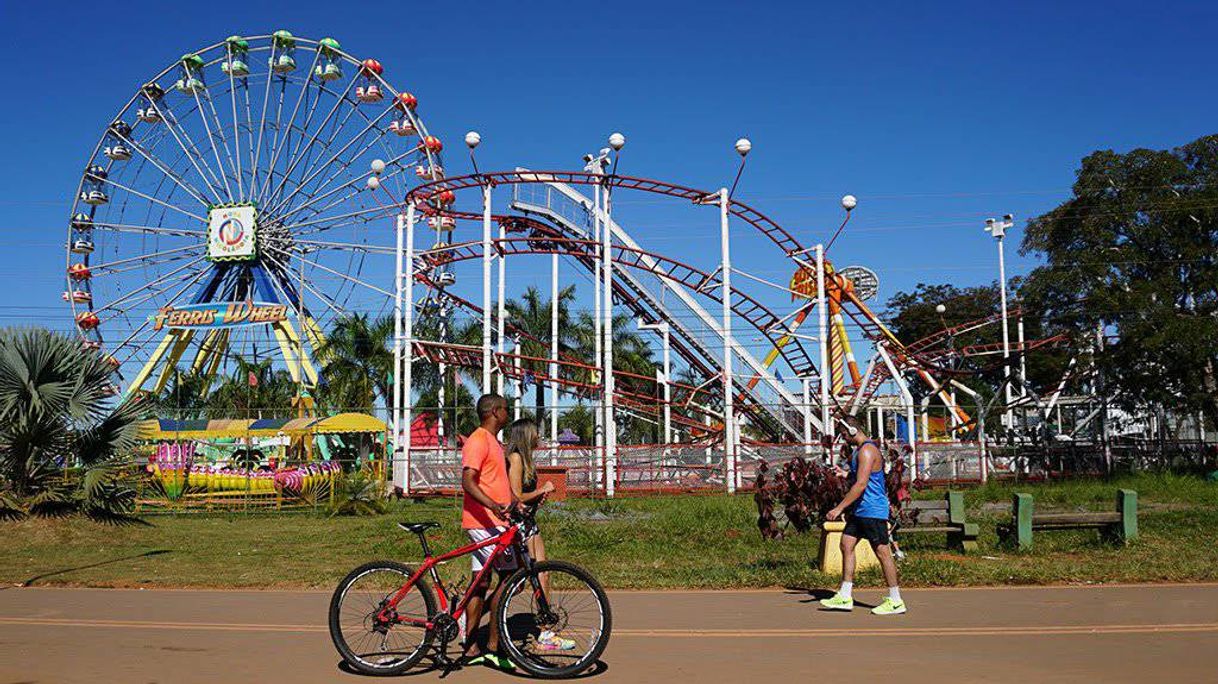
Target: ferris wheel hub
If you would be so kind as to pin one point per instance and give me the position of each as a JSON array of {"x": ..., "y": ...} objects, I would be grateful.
[{"x": 232, "y": 232}]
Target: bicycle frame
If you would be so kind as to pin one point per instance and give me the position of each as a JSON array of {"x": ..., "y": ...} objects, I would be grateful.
[{"x": 508, "y": 538}]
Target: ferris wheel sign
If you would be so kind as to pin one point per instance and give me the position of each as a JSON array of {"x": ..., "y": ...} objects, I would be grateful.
[
  {"x": 218, "y": 315},
  {"x": 230, "y": 232}
]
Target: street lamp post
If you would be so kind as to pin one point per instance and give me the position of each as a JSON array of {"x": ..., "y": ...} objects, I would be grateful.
[
  {"x": 617, "y": 141},
  {"x": 596, "y": 164},
  {"x": 999, "y": 230}
]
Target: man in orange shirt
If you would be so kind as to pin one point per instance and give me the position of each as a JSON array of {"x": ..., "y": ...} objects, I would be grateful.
[{"x": 487, "y": 502}]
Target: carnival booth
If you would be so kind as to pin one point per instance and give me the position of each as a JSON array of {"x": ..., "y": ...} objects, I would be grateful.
[{"x": 266, "y": 461}]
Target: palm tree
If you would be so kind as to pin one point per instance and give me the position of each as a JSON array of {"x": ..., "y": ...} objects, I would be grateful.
[
  {"x": 185, "y": 397},
  {"x": 631, "y": 354},
  {"x": 457, "y": 414},
  {"x": 256, "y": 389},
  {"x": 532, "y": 315},
  {"x": 57, "y": 411},
  {"x": 358, "y": 362}
]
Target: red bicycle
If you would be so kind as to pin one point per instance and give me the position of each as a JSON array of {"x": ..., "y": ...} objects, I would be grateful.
[{"x": 384, "y": 616}]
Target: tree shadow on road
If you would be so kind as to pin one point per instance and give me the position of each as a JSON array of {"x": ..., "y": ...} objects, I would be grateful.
[{"x": 36, "y": 578}]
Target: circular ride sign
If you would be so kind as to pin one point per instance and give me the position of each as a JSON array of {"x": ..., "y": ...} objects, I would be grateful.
[{"x": 230, "y": 232}]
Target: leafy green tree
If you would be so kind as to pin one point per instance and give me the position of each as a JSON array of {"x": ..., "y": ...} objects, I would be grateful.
[
  {"x": 1133, "y": 254},
  {"x": 358, "y": 363},
  {"x": 913, "y": 316},
  {"x": 57, "y": 411}
]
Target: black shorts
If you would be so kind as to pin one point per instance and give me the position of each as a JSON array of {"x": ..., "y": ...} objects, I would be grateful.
[{"x": 874, "y": 530}]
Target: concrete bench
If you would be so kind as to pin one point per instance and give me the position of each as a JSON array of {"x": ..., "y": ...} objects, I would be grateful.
[{"x": 1119, "y": 525}]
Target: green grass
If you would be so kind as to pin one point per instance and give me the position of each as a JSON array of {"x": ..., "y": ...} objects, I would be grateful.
[{"x": 660, "y": 542}]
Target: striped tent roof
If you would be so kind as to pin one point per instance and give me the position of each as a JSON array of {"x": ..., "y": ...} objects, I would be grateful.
[{"x": 221, "y": 428}]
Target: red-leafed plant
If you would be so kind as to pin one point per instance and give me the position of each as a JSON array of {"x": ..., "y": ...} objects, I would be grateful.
[{"x": 800, "y": 492}]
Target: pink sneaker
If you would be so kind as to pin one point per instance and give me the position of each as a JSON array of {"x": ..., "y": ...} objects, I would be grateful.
[{"x": 549, "y": 641}]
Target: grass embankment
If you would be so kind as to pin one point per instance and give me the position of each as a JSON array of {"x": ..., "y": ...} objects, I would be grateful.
[{"x": 690, "y": 541}]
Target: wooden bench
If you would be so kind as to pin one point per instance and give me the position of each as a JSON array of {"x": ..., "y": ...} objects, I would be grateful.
[
  {"x": 1119, "y": 525},
  {"x": 941, "y": 517}
]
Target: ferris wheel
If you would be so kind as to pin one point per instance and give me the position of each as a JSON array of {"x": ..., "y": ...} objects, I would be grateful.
[{"x": 226, "y": 210}]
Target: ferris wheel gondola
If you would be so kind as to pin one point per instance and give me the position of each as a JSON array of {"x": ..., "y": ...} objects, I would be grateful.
[{"x": 225, "y": 207}]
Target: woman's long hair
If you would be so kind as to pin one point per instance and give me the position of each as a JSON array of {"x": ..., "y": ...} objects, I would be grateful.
[{"x": 522, "y": 439}]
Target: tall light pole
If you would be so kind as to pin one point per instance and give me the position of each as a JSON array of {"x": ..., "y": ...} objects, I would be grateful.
[
  {"x": 730, "y": 437},
  {"x": 822, "y": 326},
  {"x": 999, "y": 230},
  {"x": 472, "y": 140},
  {"x": 595, "y": 164},
  {"x": 616, "y": 141},
  {"x": 663, "y": 328},
  {"x": 408, "y": 338},
  {"x": 729, "y": 399}
]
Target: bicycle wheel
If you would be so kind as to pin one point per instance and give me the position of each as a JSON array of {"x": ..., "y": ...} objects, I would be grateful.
[
  {"x": 379, "y": 647},
  {"x": 576, "y": 612}
]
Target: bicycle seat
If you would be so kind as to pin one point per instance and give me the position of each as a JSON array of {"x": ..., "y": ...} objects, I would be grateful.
[{"x": 418, "y": 527}]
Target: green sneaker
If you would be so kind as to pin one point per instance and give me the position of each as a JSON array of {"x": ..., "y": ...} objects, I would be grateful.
[
  {"x": 889, "y": 607},
  {"x": 499, "y": 662},
  {"x": 838, "y": 602}
]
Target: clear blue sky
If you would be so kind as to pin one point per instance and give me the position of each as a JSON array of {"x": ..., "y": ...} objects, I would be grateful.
[{"x": 935, "y": 115}]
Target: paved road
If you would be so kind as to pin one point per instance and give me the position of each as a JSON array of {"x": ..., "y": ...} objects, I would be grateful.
[{"x": 1110, "y": 634}]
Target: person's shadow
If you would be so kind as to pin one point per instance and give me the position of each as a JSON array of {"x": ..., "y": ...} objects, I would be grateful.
[{"x": 814, "y": 595}]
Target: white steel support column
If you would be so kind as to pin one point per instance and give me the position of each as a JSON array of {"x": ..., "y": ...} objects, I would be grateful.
[
  {"x": 911, "y": 427},
  {"x": 442, "y": 371},
  {"x": 399, "y": 478},
  {"x": 858, "y": 393},
  {"x": 953, "y": 418},
  {"x": 607, "y": 348},
  {"x": 729, "y": 398},
  {"x": 807, "y": 411},
  {"x": 501, "y": 308},
  {"x": 1023, "y": 374},
  {"x": 598, "y": 427},
  {"x": 486, "y": 289},
  {"x": 408, "y": 341},
  {"x": 664, "y": 374},
  {"x": 926, "y": 418},
  {"x": 667, "y": 386},
  {"x": 554, "y": 292},
  {"x": 1008, "y": 416},
  {"x": 518, "y": 389},
  {"x": 983, "y": 457},
  {"x": 822, "y": 321}
]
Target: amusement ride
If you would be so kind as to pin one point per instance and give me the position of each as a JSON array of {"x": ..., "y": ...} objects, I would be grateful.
[{"x": 256, "y": 190}]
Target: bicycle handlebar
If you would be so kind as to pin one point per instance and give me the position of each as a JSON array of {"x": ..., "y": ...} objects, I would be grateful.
[{"x": 522, "y": 514}]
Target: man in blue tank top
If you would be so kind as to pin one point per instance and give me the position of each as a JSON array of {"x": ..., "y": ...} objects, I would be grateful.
[{"x": 866, "y": 509}]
